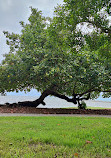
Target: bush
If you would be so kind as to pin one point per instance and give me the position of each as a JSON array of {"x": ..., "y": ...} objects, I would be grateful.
[{"x": 82, "y": 105}]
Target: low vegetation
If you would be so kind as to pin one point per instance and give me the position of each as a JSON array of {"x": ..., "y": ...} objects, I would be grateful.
[{"x": 50, "y": 137}]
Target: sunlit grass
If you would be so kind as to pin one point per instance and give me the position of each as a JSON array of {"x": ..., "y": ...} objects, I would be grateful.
[
  {"x": 48, "y": 137},
  {"x": 88, "y": 107}
]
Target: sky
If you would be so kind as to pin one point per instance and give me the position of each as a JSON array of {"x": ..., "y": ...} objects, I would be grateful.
[{"x": 14, "y": 11}]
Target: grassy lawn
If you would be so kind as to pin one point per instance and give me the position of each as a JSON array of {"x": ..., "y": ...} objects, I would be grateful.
[
  {"x": 88, "y": 107},
  {"x": 51, "y": 137}
]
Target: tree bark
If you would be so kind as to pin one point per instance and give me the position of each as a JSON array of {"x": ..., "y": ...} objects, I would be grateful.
[
  {"x": 40, "y": 100},
  {"x": 75, "y": 99},
  {"x": 53, "y": 93}
]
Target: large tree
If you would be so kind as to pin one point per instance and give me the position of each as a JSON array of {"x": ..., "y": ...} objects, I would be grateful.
[{"x": 58, "y": 57}]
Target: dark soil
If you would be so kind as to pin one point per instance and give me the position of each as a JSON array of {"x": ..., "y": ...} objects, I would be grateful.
[{"x": 33, "y": 110}]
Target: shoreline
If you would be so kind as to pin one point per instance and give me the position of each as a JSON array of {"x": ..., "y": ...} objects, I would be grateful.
[
  {"x": 21, "y": 96},
  {"x": 53, "y": 102},
  {"x": 34, "y": 110}
]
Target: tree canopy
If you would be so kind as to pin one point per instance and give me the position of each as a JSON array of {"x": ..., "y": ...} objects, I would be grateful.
[{"x": 59, "y": 56}]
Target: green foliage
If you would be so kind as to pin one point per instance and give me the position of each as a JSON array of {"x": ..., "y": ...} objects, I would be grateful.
[
  {"x": 54, "y": 54},
  {"x": 83, "y": 105}
]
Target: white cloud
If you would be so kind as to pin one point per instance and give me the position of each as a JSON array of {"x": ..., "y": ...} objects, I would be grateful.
[
  {"x": 47, "y": 6},
  {"x": 6, "y": 5},
  {"x": 14, "y": 11}
]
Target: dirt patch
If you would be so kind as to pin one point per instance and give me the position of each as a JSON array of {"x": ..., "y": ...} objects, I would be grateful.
[{"x": 33, "y": 110}]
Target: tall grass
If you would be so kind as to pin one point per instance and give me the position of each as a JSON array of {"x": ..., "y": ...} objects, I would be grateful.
[{"x": 48, "y": 137}]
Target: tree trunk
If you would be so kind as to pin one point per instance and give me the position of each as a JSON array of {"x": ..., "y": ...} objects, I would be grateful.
[
  {"x": 40, "y": 100},
  {"x": 53, "y": 93},
  {"x": 46, "y": 93}
]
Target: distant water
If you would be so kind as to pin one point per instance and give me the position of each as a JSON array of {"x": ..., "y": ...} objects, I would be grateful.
[
  {"x": 34, "y": 93},
  {"x": 52, "y": 102}
]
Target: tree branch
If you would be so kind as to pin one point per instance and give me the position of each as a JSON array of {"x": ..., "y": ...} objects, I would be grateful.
[
  {"x": 53, "y": 93},
  {"x": 85, "y": 98},
  {"x": 93, "y": 90},
  {"x": 76, "y": 98}
]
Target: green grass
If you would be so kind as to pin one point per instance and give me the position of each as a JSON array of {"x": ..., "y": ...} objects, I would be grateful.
[
  {"x": 88, "y": 107},
  {"x": 49, "y": 137}
]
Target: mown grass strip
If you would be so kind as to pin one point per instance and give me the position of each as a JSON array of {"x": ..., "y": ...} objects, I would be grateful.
[
  {"x": 88, "y": 107},
  {"x": 63, "y": 137}
]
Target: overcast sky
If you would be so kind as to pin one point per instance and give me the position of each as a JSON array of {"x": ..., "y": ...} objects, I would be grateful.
[{"x": 14, "y": 11}]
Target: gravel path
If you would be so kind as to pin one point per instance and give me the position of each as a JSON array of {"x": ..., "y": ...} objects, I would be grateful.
[{"x": 67, "y": 115}]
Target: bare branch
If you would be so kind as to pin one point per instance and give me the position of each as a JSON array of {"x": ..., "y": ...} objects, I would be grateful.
[
  {"x": 93, "y": 90},
  {"x": 85, "y": 98},
  {"x": 53, "y": 93}
]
